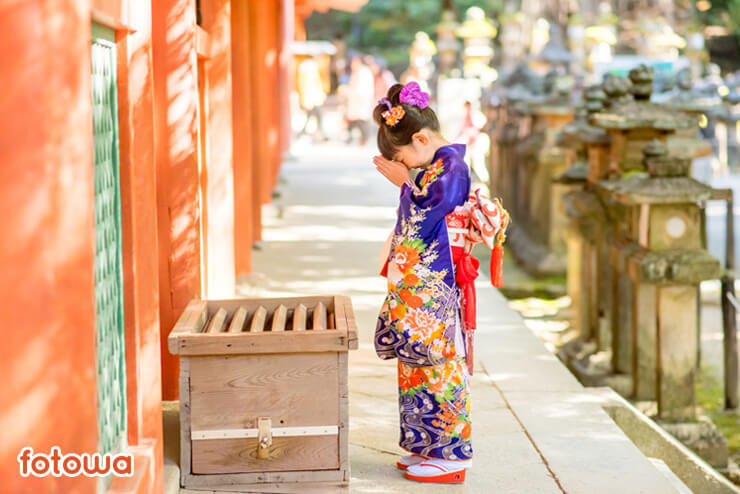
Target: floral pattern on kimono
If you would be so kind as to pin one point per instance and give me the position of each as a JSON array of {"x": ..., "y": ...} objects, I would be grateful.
[
  {"x": 419, "y": 322},
  {"x": 434, "y": 403}
]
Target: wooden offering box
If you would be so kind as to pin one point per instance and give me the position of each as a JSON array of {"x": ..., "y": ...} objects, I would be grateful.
[{"x": 263, "y": 393}]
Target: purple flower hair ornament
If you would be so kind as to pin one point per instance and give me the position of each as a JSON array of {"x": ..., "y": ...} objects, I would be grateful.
[{"x": 411, "y": 94}]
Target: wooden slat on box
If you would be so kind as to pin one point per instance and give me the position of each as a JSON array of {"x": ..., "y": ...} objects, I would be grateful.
[
  {"x": 217, "y": 322},
  {"x": 237, "y": 322},
  {"x": 339, "y": 315},
  {"x": 299, "y": 318},
  {"x": 281, "y": 342},
  {"x": 279, "y": 318},
  {"x": 319, "y": 316},
  {"x": 258, "y": 320},
  {"x": 231, "y": 305},
  {"x": 192, "y": 320}
]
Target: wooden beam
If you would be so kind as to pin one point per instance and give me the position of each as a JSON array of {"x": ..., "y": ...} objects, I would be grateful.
[{"x": 264, "y": 342}]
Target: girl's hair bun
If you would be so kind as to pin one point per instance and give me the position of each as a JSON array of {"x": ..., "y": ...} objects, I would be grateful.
[{"x": 390, "y": 138}]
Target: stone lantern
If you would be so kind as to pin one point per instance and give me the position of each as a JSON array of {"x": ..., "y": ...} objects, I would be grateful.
[
  {"x": 519, "y": 88},
  {"x": 539, "y": 240},
  {"x": 658, "y": 39},
  {"x": 447, "y": 42},
  {"x": 421, "y": 67},
  {"x": 477, "y": 33},
  {"x": 630, "y": 124},
  {"x": 554, "y": 54},
  {"x": 576, "y": 35},
  {"x": 687, "y": 99},
  {"x": 601, "y": 37},
  {"x": 586, "y": 217},
  {"x": 512, "y": 41},
  {"x": 665, "y": 263}
]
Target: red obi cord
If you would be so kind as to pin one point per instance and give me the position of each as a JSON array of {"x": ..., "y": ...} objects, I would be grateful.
[{"x": 466, "y": 271}]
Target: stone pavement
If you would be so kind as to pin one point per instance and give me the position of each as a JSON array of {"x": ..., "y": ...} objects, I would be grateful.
[{"x": 536, "y": 430}]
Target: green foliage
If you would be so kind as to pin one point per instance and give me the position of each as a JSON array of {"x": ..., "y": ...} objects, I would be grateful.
[
  {"x": 387, "y": 28},
  {"x": 725, "y": 13},
  {"x": 710, "y": 397}
]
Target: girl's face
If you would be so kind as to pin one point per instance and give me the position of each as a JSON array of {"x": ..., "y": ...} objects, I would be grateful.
[{"x": 418, "y": 153}]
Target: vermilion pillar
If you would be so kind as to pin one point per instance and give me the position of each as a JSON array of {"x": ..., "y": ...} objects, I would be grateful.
[
  {"x": 264, "y": 32},
  {"x": 287, "y": 35},
  {"x": 138, "y": 241},
  {"x": 178, "y": 179},
  {"x": 245, "y": 202},
  {"x": 218, "y": 180}
]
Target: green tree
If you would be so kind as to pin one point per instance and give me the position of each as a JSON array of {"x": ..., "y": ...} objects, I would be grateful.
[{"x": 386, "y": 28}]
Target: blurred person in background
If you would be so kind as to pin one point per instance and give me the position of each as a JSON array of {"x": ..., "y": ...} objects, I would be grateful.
[
  {"x": 383, "y": 77},
  {"x": 311, "y": 95},
  {"x": 360, "y": 99}
]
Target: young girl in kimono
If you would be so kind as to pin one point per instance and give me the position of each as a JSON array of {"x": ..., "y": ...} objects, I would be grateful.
[{"x": 430, "y": 272}]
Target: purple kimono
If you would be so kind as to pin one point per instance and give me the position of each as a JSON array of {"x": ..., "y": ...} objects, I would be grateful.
[{"x": 419, "y": 322}]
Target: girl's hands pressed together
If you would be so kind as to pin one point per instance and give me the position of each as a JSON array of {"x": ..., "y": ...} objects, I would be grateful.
[{"x": 394, "y": 171}]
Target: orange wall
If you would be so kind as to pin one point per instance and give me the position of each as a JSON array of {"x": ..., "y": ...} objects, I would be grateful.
[{"x": 47, "y": 358}]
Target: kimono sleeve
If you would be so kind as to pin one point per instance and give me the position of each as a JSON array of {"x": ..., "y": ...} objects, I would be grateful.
[{"x": 441, "y": 194}]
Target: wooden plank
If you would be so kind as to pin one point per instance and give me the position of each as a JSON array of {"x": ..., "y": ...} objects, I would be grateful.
[
  {"x": 295, "y": 390},
  {"x": 342, "y": 370},
  {"x": 349, "y": 313},
  {"x": 220, "y": 456},
  {"x": 264, "y": 342},
  {"x": 235, "y": 481},
  {"x": 340, "y": 318},
  {"x": 185, "y": 443},
  {"x": 258, "y": 320},
  {"x": 237, "y": 322},
  {"x": 319, "y": 316},
  {"x": 312, "y": 430},
  {"x": 305, "y": 487},
  {"x": 299, "y": 318},
  {"x": 192, "y": 320},
  {"x": 279, "y": 317},
  {"x": 217, "y": 322}
]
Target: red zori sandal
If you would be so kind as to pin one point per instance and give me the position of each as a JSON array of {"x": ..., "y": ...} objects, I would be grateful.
[{"x": 438, "y": 471}]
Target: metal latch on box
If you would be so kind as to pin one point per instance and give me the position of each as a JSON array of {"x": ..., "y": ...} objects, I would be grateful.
[{"x": 265, "y": 432}]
